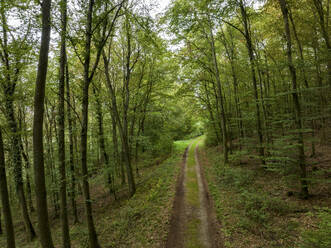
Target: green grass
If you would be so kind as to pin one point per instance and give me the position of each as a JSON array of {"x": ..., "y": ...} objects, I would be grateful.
[
  {"x": 192, "y": 199},
  {"x": 192, "y": 234},
  {"x": 180, "y": 145}
]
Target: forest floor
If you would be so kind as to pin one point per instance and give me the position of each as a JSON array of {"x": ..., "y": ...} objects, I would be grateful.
[
  {"x": 195, "y": 201},
  {"x": 193, "y": 219},
  {"x": 259, "y": 208},
  {"x": 138, "y": 222}
]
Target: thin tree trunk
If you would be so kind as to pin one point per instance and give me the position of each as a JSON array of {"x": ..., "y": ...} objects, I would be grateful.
[
  {"x": 297, "y": 106},
  {"x": 126, "y": 103},
  {"x": 302, "y": 66},
  {"x": 93, "y": 239},
  {"x": 324, "y": 23},
  {"x": 17, "y": 161},
  {"x": 212, "y": 118},
  {"x": 22, "y": 126},
  {"x": 102, "y": 145},
  {"x": 28, "y": 183},
  {"x": 61, "y": 135},
  {"x": 252, "y": 65},
  {"x": 230, "y": 51},
  {"x": 10, "y": 235},
  {"x": 123, "y": 128},
  {"x": 72, "y": 192},
  {"x": 51, "y": 160},
  {"x": 221, "y": 100},
  {"x": 116, "y": 158},
  {"x": 15, "y": 139}
]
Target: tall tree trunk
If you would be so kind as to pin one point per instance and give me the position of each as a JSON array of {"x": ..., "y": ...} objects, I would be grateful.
[
  {"x": 123, "y": 127},
  {"x": 300, "y": 48},
  {"x": 17, "y": 161},
  {"x": 324, "y": 23},
  {"x": 93, "y": 239},
  {"x": 211, "y": 114},
  {"x": 10, "y": 235},
  {"x": 15, "y": 139},
  {"x": 61, "y": 125},
  {"x": 38, "y": 147},
  {"x": 297, "y": 107},
  {"x": 126, "y": 104},
  {"x": 230, "y": 52},
  {"x": 102, "y": 145},
  {"x": 50, "y": 161},
  {"x": 25, "y": 152},
  {"x": 116, "y": 157},
  {"x": 27, "y": 172},
  {"x": 249, "y": 46},
  {"x": 71, "y": 151},
  {"x": 221, "y": 100}
]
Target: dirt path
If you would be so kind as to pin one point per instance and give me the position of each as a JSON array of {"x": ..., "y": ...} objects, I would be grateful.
[{"x": 192, "y": 218}]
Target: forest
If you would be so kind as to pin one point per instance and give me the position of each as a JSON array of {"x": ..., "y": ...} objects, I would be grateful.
[{"x": 166, "y": 123}]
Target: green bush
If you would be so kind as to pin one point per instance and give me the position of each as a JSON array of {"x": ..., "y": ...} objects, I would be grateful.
[
  {"x": 254, "y": 206},
  {"x": 211, "y": 139},
  {"x": 236, "y": 177}
]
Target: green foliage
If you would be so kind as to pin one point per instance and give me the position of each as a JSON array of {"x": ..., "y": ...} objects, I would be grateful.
[
  {"x": 157, "y": 140},
  {"x": 211, "y": 138}
]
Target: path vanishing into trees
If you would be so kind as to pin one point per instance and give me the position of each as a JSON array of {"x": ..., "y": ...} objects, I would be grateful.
[{"x": 192, "y": 218}]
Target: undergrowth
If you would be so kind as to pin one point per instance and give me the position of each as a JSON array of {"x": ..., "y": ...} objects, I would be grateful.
[
  {"x": 251, "y": 212},
  {"x": 140, "y": 221}
]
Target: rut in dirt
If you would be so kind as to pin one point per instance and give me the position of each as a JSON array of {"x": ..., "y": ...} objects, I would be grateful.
[{"x": 192, "y": 222}]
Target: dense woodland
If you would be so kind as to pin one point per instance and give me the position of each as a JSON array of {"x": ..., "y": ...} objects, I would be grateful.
[{"x": 95, "y": 96}]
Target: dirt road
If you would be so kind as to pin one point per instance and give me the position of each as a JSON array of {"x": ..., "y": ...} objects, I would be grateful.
[{"x": 192, "y": 218}]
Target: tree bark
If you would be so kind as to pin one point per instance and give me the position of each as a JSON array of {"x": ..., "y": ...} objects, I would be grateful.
[
  {"x": 297, "y": 106},
  {"x": 102, "y": 145},
  {"x": 15, "y": 139},
  {"x": 38, "y": 147},
  {"x": 17, "y": 161},
  {"x": 51, "y": 160},
  {"x": 126, "y": 103},
  {"x": 121, "y": 128},
  {"x": 323, "y": 20},
  {"x": 249, "y": 46},
  {"x": 10, "y": 235},
  {"x": 61, "y": 135},
  {"x": 93, "y": 239},
  {"x": 221, "y": 100},
  {"x": 72, "y": 192}
]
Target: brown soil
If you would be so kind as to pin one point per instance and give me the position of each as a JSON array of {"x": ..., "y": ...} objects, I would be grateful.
[
  {"x": 176, "y": 232},
  {"x": 182, "y": 212},
  {"x": 214, "y": 227}
]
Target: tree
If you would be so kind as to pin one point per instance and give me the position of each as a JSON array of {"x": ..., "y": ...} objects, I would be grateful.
[
  {"x": 5, "y": 198},
  {"x": 38, "y": 147},
  {"x": 71, "y": 149},
  {"x": 249, "y": 44},
  {"x": 296, "y": 101},
  {"x": 61, "y": 117},
  {"x": 88, "y": 77},
  {"x": 11, "y": 73}
]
